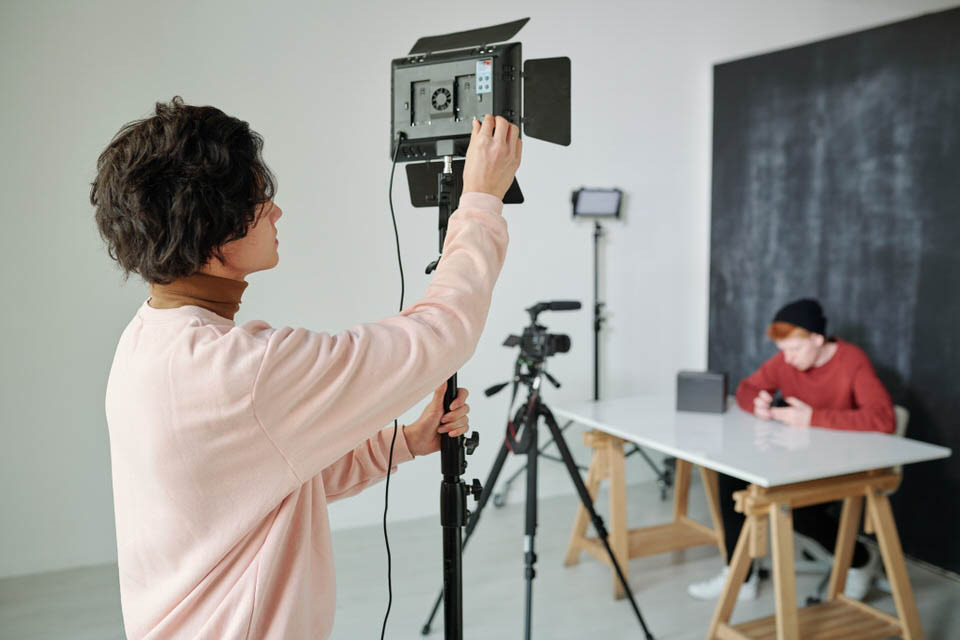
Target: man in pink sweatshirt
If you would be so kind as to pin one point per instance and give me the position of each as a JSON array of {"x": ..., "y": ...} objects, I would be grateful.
[{"x": 227, "y": 441}]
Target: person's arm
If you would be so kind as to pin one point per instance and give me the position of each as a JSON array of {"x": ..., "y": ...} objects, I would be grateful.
[
  {"x": 318, "y": 396},
  {"x": 764, "y": 379},
  {"x": 874, "y": 410},
  {"x": 365, "y": 465}
]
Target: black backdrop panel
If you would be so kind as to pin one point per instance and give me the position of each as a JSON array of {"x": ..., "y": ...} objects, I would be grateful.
[{"x": 836, "y": 175}]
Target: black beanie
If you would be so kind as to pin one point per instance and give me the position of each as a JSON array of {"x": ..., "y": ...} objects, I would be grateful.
[{"x": 806, "y": 313}]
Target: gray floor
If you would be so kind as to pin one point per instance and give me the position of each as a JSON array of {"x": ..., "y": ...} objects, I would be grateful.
[{"x": 571, "y": 602}]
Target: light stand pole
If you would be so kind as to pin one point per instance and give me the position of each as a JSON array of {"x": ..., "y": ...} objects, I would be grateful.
[
  {"x": 597, "y": 309},
  {"x": 453, "y": 491},
  {"x": 596, "y": 204}
]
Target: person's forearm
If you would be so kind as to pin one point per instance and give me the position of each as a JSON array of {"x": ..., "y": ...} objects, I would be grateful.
[
  {"x": 863, "y": 419},
  {"x": 365, "y": 465},
  {"x": 467, "y": 310},
  {"x": 763, "y": 379},
  {"x": 874, "y": 410},
  {"x": 746, "y": 393}
]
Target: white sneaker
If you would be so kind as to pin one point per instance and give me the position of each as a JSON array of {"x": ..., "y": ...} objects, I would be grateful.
[
  {"x": 712, "y": 588},
  {"x": 859, "y": 580}
]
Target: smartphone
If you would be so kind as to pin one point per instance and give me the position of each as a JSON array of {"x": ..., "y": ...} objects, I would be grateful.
[{"x": 778, "y": 400}]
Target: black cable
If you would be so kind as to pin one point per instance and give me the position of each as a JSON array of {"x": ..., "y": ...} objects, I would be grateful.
[
  {"x": 396, "y": 235},
  {"x": 386, "y": 493}
]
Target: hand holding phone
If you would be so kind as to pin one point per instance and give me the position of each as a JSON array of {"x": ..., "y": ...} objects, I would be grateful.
[
  {"x": 761, "y": 405},
  {"x": 778, "y": 400}
]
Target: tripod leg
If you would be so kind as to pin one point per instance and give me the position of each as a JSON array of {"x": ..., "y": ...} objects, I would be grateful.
[
  {"x": 472, "y": 523},
  {"x": 588, "y": 503},
  {"x": 530, "y": 525},
  {"x": 516, "y": 474}
]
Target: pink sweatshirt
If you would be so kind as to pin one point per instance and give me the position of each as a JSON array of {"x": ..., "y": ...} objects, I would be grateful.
[{"x": 227, "y": 441}]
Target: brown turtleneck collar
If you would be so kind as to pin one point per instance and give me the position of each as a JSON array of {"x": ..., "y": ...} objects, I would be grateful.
[{"x": 220, "y": 295}]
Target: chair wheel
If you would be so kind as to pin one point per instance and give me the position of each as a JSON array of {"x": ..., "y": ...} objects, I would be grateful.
[
  {"x": 812, "y": 600},
  {"x": 499, "y": 500}
]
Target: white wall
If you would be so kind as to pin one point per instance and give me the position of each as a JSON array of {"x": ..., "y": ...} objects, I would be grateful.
[{"x": 313, "y": 79}]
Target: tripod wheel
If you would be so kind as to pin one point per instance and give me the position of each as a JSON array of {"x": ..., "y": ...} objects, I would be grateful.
[
  {"x": 425, "y": 631},
  {"x": 499, "y": 500}
]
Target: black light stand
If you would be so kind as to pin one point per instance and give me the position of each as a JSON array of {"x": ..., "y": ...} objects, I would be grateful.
[
  {"x": 596, "y": 204},
  {"x": 606, "y": 203},
  {"x": 439, "y": 184},
  {"x": 436, "y": 91},
  {"x": 597, "y": 309},
  {"x": 453, "y": 491}
]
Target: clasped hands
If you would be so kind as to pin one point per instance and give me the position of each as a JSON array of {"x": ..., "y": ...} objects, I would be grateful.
[{"x": 798, "y": 414}]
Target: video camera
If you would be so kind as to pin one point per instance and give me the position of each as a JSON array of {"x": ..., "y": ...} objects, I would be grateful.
[{"x": 536, "y": 345}]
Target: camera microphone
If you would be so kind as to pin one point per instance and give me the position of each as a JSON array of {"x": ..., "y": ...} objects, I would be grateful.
[{"x": 553, "y": 305}]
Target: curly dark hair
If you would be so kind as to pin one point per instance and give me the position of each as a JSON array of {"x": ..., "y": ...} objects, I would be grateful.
[{"x": 173, "y": 188}]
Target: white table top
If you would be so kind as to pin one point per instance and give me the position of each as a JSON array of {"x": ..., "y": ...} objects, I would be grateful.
[{"x": 739, "y": 444}]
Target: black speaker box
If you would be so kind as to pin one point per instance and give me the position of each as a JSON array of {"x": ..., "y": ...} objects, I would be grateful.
[{"x": 703, "y": 391}]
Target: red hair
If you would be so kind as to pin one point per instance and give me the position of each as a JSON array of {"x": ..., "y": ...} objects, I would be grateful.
[{"x": 783, "y": 330}]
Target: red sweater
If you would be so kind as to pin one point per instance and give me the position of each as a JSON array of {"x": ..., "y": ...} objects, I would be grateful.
[{"x": 845, "y": 393}]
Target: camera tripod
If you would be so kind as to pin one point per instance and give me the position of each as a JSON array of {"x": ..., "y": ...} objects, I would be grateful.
[
  {"x": 526, "y": 419},
  {"x": 665, "y": 473}
]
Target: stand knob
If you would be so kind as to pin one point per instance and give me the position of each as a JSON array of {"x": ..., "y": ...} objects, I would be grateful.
[
  {"x": 471, "y": 443},
  {"x": 475, "y": 489}
]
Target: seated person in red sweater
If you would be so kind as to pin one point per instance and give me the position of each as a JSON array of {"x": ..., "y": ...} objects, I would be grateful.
[{"x": 825, "y": 382}]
